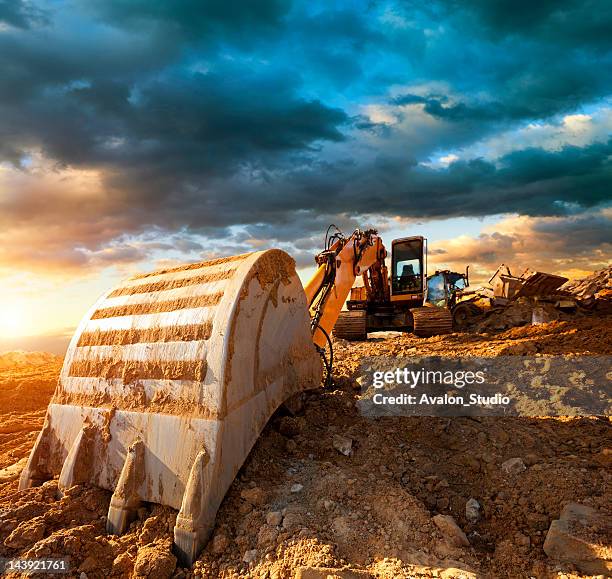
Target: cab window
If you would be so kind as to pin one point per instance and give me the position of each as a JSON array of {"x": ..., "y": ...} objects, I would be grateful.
[
  {"x": 407, "y": 266},
  {"x": 436, "y": 292}
]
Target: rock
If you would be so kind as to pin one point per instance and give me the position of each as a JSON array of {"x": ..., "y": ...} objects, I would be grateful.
[
  {"x": 451, "y": 530},
  {"x": 444, "y": 550},
  {"x": 267, "y": 536},
  {"x": 245, "y": 508},
  {"x": 522, "y": 540},
  {"x": 255, "y": 496},
  {"x": 10, "y": 473},
  {"x": 503, "y": 437},
  {"x": 531, "y": 459},
  {"x": 513, "y": 466},
  {"x": 250, "y": 556},
  {"x": 296, "y": 488},
  {"x": 291, "y": 426},
  {"x": 455, "y": 573},
  {"x": 155, "y": 560},
  {"x": 220, "y": 543},
  {"x": 343, "y": 444},
  {"x": 538, "y": 521},
  {"x": 581, "y": 536},
  {"x": 291, "y": 520},
  {"x": 123, "y": 565},
  {"x": 90, "y": 564},
  {"x": 274, "y": 518},
  {"x": 150, "y": 530},
  {"x": 604, "y": 457},
  {"x": 472, "y": 511},
  {"x": 442, "y": 503}
]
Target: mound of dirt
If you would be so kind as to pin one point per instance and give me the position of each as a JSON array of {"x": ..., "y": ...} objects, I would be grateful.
[
  {"x": 27, "y": 382},
  {"x": 400, "y": 497}
]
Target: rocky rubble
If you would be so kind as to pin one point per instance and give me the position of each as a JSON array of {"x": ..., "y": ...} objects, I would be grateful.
[
  {"x": 575, "y": 299},
  {"x": 590, "y": 286}
]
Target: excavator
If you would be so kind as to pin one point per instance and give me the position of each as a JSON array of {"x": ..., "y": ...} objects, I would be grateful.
[
  {"x": 398, "y": 301},
  {"x": 171, "y": 376}
]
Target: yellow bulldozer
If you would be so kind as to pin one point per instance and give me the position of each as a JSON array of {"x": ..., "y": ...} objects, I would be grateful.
[{"x": 171, "y": 376}]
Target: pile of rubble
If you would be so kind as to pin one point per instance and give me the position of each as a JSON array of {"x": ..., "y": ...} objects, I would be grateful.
[
  {"x": 536, "y": 298},
  {"x": 594, "y": 288}
]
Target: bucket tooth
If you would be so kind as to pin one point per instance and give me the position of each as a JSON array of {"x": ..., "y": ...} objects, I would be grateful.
[
  {"x": 192, "y": 529},
  {"x": 77, "y": 466},
  {"x": 126, "y": 498},
  {"x": 32, "y": 475}
]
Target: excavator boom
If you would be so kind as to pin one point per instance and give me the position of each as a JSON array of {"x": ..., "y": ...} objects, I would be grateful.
[{"x": 339, "y": 265}]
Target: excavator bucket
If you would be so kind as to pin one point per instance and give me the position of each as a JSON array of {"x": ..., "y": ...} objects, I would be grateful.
[
  {"x": 529, "y": 284},
  {"x": 540, "y": 284},
  {"x": 168, "y": 382}
]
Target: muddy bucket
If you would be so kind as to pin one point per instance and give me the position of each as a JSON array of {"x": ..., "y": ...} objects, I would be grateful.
[{"x": 168, "y": 382}]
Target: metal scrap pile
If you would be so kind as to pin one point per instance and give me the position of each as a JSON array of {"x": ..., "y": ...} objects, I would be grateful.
[{"x": 537, "y": 297}]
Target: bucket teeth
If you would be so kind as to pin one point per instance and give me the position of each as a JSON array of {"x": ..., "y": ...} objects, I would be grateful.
[
  {"x": 126, "y": 499},
  {"x": 32, "y": 474},
  {"x": 192, "y": 530},
  {"x": 77, "y": 466}
]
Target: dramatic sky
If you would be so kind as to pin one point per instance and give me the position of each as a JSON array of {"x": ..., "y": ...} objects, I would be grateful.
[{"x": 134, "y": 133}]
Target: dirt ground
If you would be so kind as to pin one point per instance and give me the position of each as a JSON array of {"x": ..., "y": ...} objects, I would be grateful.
[{"x": 300, "y": 502}]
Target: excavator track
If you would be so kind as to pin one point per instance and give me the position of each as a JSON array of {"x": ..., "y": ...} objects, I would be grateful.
[
  {"x": 431, "y": 321},
  {"x": 352, "y": 325}
]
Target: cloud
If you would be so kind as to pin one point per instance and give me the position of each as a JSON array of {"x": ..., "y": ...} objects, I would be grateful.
[
  {"x": 571, "y": 246},
  {"x": 20, "y": 14},
  {"x": 194, "y": 19},
  {"x": 577, "y": 130},
  {"x": 564, "y": 22},
  {"x": 128, "y": 124}
]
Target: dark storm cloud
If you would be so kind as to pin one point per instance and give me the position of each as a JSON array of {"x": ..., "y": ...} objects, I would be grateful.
[
  {"x": 439, "y": 107},
  {"x": 200, "y": 116},
  {"x": 531, "y": 181},
  {"x": 564, "y": 22},
  {"x": 195, "y": 19},
  {"x": 20, "y": 14}
]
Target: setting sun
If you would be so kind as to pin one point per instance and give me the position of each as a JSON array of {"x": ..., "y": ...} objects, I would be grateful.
[{"x": 11, "y": 321}]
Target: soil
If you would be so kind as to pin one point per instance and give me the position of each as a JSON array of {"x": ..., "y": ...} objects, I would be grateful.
[{"x": 299, "y": 501}]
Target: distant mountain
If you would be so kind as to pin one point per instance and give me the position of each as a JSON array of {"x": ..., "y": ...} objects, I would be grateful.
[{"x": 21, "y": 358}]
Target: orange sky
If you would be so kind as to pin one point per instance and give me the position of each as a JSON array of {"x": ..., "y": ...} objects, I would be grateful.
[{"x": 40, "y": 308}]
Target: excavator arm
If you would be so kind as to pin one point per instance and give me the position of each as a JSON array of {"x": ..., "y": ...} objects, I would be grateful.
[{"x": 339, "y": 265}]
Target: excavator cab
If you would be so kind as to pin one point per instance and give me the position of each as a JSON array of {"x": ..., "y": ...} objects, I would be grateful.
[
  {"x": 443, "y": 287},
  {"x": 408, "y": 268}
]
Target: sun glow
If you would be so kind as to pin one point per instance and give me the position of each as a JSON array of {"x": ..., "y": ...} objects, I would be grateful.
[{"x": 11, "y": 320}]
